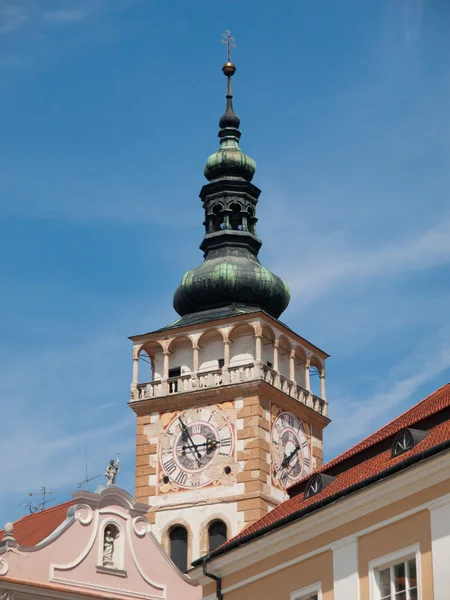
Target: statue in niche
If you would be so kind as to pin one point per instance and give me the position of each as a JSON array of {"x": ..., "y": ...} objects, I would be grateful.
[
  {"x": 110, "y": 536},
  {"x": 112, "y": 470}
]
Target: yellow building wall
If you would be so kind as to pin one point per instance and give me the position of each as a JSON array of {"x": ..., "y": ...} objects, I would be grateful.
[{"x": 407, "y": 532}]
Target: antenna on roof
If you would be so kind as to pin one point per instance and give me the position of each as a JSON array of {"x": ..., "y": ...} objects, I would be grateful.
[
  {"x": 38, "y": 506},
  {"x": 86, "y": 479}
]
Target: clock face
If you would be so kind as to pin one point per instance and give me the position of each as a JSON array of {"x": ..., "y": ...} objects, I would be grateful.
[
  {"x": 290, "y": 450},
  {"x": 197, "y": 447}
]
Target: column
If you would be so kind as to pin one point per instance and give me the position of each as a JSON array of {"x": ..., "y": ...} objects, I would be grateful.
[
  {"x": 195, "y": 350},
  {"x": 275, "y": 354},
  {"x": 258, "y": 372},
  {"x": 345, "y": 570},
  {"x": 258, "y": 348},
  {"x": 307, "y": 380},
  {"x": 135, "y": 370},
  {"x": 440, "y": 546},
  {"x": 323, "y": 391},
  {"x": 292, "y": 365},
  {"x": 166, "y": 354},
  {"x": 226, "y": 353}
]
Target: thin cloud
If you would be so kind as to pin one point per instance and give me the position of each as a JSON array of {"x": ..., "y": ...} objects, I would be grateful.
[
  {"x": 67, "y": 15},
  {"x": 12, "y": 17},
  {"x": 403, "y": 383},
  {"x": 320, "y": 276}
]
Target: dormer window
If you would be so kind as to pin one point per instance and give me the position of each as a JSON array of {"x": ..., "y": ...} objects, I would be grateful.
[
  {"x": 316, "y": 484},
  {"x": 407, "y": 439}
]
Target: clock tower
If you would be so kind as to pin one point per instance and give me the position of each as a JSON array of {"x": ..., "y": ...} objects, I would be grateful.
[{"x": 226, "y": 418}]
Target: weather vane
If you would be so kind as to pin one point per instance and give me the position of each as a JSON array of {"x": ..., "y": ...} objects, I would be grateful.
[{"x": 229, "y": 41}]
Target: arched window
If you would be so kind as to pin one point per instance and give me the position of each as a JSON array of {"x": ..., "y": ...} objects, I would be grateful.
[
  {"x": 178, "y": 547},
  {"x": 235, "y": 217},
  {"x": 217, "y": 534},
  {"x": 218, "y": 217}
]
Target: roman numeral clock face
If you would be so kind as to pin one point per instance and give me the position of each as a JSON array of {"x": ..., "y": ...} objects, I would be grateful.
[
  {"x": 197, "y": 448},
  {"x": 291, "y": 459}
]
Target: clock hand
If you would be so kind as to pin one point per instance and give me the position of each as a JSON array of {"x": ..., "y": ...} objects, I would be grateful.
[
  {"x": 287, "y": 459},
  {"x": 186, "y": 431},
  {"x": 208, "y": 443}
]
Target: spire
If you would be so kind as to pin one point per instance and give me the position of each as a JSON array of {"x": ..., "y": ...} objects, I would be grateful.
[
  {"x": 231, "y": 273},
  {"x": 229, "y": 118},
  {"x": 229, "y": 159}
]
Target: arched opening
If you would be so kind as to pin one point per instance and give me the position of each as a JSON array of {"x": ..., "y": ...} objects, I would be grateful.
[
  {"x": 181, "y": 357},
  {"x": 217, "y": 534},
  {"x": 151, "y": 362},
  {"x": 267, "y": 342},
  {"x": 210, "y": 351},
  {"x": 179, "y": 547},
  {"x": 284, "y": 350},
  {"x": 242, "y": 345},
  {"x": 235, "y": 216},
  {"x": 314, "y": 376},
  {"x": 218, "y": 217},
  {"x": 299, "y": 366}
]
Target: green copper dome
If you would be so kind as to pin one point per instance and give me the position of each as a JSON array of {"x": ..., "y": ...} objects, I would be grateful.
[
  {"x": 229, "y": 161},
  {"x": 231, "y": 276},
  {"x": 231, "y": 272}
]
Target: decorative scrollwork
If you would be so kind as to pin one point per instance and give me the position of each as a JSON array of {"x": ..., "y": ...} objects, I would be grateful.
[
  {"x": 3, "y": 566},
  {"x": 141, "y": 526},
  {"x": 84, "y": 514}
]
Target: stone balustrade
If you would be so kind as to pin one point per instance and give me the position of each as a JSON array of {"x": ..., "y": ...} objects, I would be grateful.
[{"x": 228, "y": 376}]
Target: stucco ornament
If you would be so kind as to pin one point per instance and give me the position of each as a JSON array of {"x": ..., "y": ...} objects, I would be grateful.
[
  {"x": 141, "y": 526},
  {"x": 112, "y": 470},
  {"x": 3, "y": 566},
  {"x": 9, "y": 531},
  {"x": 84, "y": 514}
]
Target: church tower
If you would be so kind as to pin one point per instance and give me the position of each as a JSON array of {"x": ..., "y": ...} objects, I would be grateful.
[{"x": 226, "y": 419}]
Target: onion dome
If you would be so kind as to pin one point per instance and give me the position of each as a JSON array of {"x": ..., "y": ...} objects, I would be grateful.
[
  {"x": 231, "y": 277},
  {"x": 231, "y": 273}
]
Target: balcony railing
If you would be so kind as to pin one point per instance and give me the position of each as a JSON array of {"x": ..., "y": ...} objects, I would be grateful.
[{"x": 219, "y": 377}]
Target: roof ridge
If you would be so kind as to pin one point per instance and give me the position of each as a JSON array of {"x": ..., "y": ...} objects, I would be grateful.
[
  {"x": 350, "y": 452},
  {"x": 40, "y": 512},
  {"x": 337, "y": 459},
  {"x": 44, "y": 510}
]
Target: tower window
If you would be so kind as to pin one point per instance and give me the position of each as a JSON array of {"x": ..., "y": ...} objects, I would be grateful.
[
  {"x": 221, "y": 363},
  {"x": 235, "y": 217},
  {"x": 217, "y": 534},
  {"x": 217, "y": 218},
  {"x": 178, "y": 547}
]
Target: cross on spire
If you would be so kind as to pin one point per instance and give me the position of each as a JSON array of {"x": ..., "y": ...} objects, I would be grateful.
[{"x": 229, "y": 41}]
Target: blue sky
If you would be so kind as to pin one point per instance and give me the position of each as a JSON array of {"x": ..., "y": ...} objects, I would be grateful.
[{"x": 109, "y": 111}]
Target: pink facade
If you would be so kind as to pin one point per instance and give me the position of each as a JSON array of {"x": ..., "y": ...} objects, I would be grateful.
[{"x": 77, "y": 558}]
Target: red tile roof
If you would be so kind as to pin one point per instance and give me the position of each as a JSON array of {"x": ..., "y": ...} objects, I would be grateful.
[
  {"x": 430, "y": 405},
  {"x": 368, "y": 467},
  {"x": 32, "y": 529}
]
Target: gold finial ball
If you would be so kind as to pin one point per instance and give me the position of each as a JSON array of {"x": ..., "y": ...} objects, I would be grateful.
[{"x": 229, "y": 69}]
